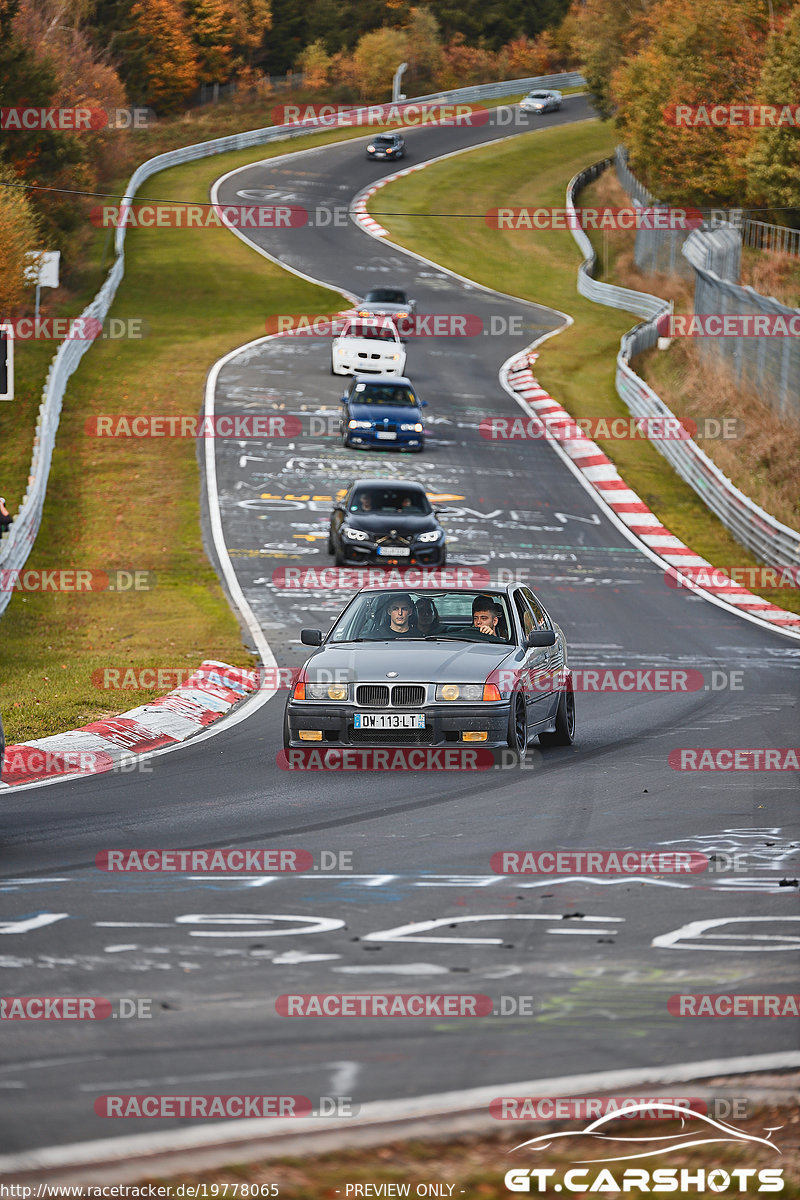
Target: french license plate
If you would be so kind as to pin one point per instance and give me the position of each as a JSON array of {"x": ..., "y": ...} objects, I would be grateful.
[
  {"x": 387, "y": 437},
  {"x": 389, "y": 721},
  {"x": 394, "y": 551}
]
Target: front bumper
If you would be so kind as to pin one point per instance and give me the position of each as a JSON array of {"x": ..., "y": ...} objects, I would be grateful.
[
  {"x": 357, "y": 366},
  {"x": 369, "y": 437},
  {"x": 367, "y": 556},
  {"x": 444, "y": 725}
]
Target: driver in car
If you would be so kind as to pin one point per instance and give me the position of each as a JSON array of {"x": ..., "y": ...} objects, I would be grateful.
[
  {"x": 486, "y": 615},
  {"x": 400, "y": 610}
]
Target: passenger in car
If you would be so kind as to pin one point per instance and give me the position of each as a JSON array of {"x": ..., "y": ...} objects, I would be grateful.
[{"x": 427, "y": 617}]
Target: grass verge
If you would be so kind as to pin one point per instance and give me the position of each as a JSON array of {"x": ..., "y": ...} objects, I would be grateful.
[
  {"x": 578, "y": 366},
  {"x": 131, "y": 504}
]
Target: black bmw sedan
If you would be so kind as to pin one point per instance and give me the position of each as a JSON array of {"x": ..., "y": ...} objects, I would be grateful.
[{"x": 390, "y": 523}]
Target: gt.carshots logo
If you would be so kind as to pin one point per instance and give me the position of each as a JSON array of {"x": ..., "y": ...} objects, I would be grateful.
[{"x": 696, "y": 1129}]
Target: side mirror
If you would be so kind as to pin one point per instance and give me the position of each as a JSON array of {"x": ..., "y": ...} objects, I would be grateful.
[
  {"x": 311, "y": 637},
  {"x": 423, "y": 403},
  {"x": 338, "y": 506},
  {"x": 541, "y": 637}
]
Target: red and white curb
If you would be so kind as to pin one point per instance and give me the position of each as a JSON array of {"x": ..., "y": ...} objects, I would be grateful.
[
  {"x": 113, "y": 742},
  {"x": 599, "y": 471},
  {"x": 359, "y": 209}
]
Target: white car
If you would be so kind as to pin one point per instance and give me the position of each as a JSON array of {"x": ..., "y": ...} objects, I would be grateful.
[
  {"x": 368, "y": 346},
  {"x": 541, "y": 102}
]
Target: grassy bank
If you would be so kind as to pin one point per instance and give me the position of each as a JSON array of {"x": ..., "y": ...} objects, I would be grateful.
[
  {"x": 578, "y": 366},
  {"x": 134, "y": 504}
]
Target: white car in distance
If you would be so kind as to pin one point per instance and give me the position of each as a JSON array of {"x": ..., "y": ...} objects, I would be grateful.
[
  {"x": 541, "y": 102},
  {"x": 368, "y": 345}
]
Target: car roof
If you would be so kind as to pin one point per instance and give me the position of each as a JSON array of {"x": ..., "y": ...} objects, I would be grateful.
[
  {"x": 503, "y": 589},
  {"x": 402, "y": 380},
  {"x": 376, "y": 481}
]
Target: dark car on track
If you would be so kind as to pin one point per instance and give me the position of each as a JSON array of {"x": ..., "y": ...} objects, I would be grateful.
[
  {"x": 389, "y": 522},
  {"x": 491, "y": 669},
  {"x": 384, "y": 411},
  {"x": 386, "y": 145}
]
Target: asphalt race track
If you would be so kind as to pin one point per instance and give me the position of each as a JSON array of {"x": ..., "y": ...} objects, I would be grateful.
[{"x": 600, "y": 956}]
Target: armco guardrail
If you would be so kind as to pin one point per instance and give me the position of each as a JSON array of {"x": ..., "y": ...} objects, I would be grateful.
[
  {"x": 16, "y": 545},
  {"x": 769, "y": 540}
]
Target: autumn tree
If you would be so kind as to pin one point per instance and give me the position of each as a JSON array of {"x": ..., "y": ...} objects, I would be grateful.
[
  {"x": 424, "y": 44},
  {"x": 19, "y": 234},
  {"x": 373, "y": 63},
  {"x": 211, "y": 31},
  {"x": 157, "y": 60},
  {"x": 773, "y": 163},
  {"x": 463, "y": 64},
  {"x": 693, "y": 55},
  {"x": 315, "y": 63},
  {"x": 605, "y": 33}
]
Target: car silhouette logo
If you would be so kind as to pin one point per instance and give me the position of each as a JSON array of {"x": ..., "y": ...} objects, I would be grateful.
[{"x": 645, "y": 1147}]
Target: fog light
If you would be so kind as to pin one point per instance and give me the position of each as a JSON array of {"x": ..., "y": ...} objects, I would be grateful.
[
  {"x": 310, "y": 735},
  {"x": 473, "y": 736}
]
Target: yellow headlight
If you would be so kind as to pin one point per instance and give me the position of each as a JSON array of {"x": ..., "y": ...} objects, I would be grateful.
[
  {"x": 337, "y": 692},
  {"x": 450, "y": 691}
]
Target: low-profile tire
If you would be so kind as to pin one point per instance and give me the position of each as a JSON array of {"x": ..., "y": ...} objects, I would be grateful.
[
  {"x": 331, "y": 547},
  {"x": 339, "y": 558},
  {"x": 564, "y": 732},
  {"x": 286, "y": 729},
  {"x": 345, "y": 439},
  {"x": 516, "y": 736}
]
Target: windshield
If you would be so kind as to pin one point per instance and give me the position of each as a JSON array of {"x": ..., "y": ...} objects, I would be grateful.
[
  {"x": 370, "y": 333},
  {"x": 538, "y": 96},
  {"x": 389, "y": 500},
  {"x": 478, "y": 617},
  {"x": 386, "y": 296},
  {"x": 384, "y": 393}
]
